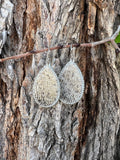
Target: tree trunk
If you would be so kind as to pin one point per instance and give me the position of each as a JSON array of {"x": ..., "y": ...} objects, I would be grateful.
[{"x": 88, "y": 130}]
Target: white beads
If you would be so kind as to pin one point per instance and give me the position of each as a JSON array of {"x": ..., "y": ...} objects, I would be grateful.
[
  {"x": 47, "y": 90},
  {"x": 72, "y": 83},
  {"x": 46, "y": 87}
]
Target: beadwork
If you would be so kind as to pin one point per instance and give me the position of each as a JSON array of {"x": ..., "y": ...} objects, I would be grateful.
[
  {"x": 46, "y": 87},
  {"x": 72, "y": 83}
]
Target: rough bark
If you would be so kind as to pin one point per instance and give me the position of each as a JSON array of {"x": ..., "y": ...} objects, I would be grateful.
[{"x": 88, "y": 130}]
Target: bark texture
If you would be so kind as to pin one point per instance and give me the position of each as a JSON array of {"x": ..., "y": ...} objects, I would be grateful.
[{"x": 88, "y": 130}]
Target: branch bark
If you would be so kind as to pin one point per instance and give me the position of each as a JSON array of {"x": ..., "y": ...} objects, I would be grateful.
[{"x": 92, "y": 44}]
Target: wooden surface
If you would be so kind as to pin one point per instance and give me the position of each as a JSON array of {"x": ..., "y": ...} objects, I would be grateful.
[{"x": 88, "y": 130}]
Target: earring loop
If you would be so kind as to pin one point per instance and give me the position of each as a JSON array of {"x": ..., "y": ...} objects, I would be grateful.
[
  {"x": 72, "y": 56},
  {"x": 46, "y": 87},
  {"x": 71, "y": 81}
]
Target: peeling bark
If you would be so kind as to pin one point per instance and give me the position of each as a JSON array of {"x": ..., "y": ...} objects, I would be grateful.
[{"x": 88, "y": 130}]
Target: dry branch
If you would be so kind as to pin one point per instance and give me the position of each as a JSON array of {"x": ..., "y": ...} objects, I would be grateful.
[{"x": 92, "y": 44}]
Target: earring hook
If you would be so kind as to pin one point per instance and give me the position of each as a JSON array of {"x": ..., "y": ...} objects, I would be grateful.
[
  {"x": 71, "y": 48},
  {"x": 48, "y": 51}
]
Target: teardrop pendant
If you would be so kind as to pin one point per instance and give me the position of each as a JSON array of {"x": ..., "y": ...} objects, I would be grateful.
[
  {"x": 72, "y": 83},
  {"x": 46, "y": 87}
]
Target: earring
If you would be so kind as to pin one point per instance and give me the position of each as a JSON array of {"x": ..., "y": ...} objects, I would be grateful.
[
  {"x": 46, "y": 87},
  {"x": 71, "y": 82}
]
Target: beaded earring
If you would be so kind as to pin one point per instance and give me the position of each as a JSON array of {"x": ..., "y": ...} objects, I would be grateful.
[
  {"x": 46, "y": 87},
  {"x": 71, "y": 82}
]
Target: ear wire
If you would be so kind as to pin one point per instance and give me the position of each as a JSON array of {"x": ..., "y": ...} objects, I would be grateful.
[
  {"x": 72, "y": 56},
  {"x": 48, "y": 59}
]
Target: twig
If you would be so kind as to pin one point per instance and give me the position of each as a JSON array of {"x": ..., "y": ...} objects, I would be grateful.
[
  {"x": 116, "y": 33},
  {"x": 92, "y": 44},
  {"x": 37, "y": 51}
]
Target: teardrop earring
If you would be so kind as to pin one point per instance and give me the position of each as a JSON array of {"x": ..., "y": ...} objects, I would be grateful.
[
  {"x": 71, "y": 82},
  {"x": 46, "y": 87}
]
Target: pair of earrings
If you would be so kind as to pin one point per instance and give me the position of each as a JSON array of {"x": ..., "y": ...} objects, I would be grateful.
[{"x": 48, "y": 88}]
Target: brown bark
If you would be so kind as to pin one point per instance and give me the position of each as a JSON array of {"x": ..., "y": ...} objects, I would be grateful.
[{"x": 88, "y": 130}]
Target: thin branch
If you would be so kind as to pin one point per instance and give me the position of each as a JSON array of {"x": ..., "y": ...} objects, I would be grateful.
[
  {"x": 92, "y": 44},
  {"x": 115, "y": 45},
  {"x": 116, "y": 33},
  {"x": 37, "y": 51}
]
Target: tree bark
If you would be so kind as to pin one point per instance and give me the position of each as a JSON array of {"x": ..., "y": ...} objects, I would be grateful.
[{"x": 88, "y": 130}]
